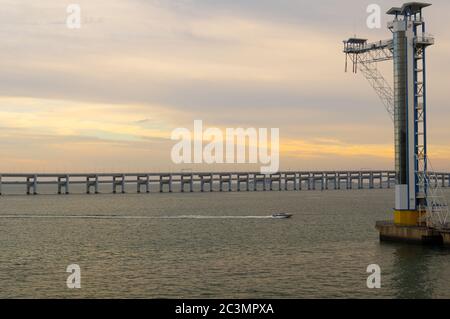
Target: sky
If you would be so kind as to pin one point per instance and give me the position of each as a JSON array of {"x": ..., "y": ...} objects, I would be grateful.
[{"x": 107, "y": 96}]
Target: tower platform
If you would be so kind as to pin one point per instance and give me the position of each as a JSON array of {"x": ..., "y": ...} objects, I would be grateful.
[{"x": 389, "y": 231}]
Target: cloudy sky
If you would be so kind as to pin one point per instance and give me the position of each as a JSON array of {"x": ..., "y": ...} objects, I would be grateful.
[{"x": 107, "y": 96}]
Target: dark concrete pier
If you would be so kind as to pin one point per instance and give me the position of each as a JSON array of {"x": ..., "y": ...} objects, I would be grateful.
[{"x": 390, "y": 231}]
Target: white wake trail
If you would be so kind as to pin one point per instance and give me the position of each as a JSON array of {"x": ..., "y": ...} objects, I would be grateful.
[{"x": 127, "y": 217}]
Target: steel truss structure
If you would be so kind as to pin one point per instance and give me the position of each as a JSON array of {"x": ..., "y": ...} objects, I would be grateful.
[{"x": 365, "y": 57}]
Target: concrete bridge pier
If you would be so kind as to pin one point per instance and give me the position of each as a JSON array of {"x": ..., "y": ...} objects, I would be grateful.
[
  {"x": 343, "y": 177},
  {"x": 304, "y": 178},
  {"x": 275, "y": 178},
  {"x": 206, "y": 179},
  {"x": 143, "y": 180},
  {"x": 290, "y": 177},
  {"x": 371, "y": 185},
  {"x": 312, "y": 182},
  {"x": 329, "y": 177},
  {"x": 202, "y": 183},
  {"x": 317, "y": 177},
  {"x": 32, "y": 185},
  {"x": 119, "y": 180},
  {"x": 259, "y": 179},
  {"x": 91, "y": 181},
  {"x": 63, "y": 183},
  {"x": 189, "y": 180},
  {"x": 354, "y": 177},
  {"x": 225, "y": 179},
  {"x": 376, "y": 176},
  {"x": 243, "y": 178},
  {"x": 360, "y": 182},
  {"x": 384, "y": 179},
  {"x": 165, "y": 179},
  {"x": 391, "y": 179},
  {"x": 365, "y": 177}
]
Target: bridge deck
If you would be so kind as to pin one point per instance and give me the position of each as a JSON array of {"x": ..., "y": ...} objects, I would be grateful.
[{"x": 197, "y": 182}]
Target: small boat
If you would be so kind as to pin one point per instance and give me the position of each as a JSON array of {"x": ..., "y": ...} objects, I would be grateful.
[{"x": 281, "y": 215}]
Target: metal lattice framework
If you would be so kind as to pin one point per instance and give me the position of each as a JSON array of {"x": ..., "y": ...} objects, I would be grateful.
[
  {"x": 436, "y": 206},
  {"x": 366, "y": 60}
]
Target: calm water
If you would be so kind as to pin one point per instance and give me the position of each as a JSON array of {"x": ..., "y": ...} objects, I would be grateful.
[{"x": 211, "y": 245}]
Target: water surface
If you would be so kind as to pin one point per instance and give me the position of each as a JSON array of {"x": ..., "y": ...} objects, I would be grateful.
[{"x": 211, "y": 245}]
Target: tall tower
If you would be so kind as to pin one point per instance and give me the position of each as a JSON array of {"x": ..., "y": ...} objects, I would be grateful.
[
  {"x": 416, "y": 200},
  {"x": 409, "y": 44}
]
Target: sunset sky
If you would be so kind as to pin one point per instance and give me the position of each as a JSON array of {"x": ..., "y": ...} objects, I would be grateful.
[{"x": 107, "y": 96}]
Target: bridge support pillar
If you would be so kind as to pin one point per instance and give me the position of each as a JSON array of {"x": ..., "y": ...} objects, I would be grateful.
[
  {"x": 165, "y": 180},
  {"x": 243, "y": 178},
  {"x": 187, "y": 179},
  {"x": 206, "y": 179},
  {"x": 290, "y": 177},
  {"x": 32, "y": 182},
  {"x": 119, "y": 180},
  {"x": 63, "y": 183},
  {"x": 91, "y": 181},
  {"x": 259, "y": 179},
  {"x": 143, "y": 180},
  {"x": 275, "y": 178}
]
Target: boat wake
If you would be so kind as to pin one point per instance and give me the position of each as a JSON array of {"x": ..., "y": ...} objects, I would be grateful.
[{"x": 128, "y": 217}]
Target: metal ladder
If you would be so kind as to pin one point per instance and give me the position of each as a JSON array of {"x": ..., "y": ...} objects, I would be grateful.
[{"x": 435, "y": 204}]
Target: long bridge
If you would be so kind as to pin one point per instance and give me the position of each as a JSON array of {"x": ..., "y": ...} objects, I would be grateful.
[{"x": 96, "y": 183}]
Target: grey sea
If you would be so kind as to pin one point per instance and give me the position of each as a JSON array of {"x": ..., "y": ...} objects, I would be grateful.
[{"x": 211, "y": 245}]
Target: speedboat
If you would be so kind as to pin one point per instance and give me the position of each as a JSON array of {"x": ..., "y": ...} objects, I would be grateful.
[{"x": 281, "y": 215}]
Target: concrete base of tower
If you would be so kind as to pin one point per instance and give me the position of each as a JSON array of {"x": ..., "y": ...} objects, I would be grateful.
[{"x": 390, "y": 231}]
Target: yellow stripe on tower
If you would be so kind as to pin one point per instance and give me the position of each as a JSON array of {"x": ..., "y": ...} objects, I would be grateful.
[{"x": 407, "y": 217}]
